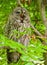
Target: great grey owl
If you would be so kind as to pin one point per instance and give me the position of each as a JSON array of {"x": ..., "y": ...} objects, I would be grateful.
[{"x": 19, "y": 21}]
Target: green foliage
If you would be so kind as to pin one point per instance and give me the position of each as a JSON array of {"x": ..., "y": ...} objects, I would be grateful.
[
  {"x": 3, "y": 57},
  {"x": 34, "y": 52},
  {"x": 41, "y": 28}
]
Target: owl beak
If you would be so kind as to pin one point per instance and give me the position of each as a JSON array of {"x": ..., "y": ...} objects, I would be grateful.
[{"x": 22, "y": 17}]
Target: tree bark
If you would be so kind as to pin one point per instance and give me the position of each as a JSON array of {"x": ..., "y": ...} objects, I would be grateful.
[{"x": 44, "y": 19}]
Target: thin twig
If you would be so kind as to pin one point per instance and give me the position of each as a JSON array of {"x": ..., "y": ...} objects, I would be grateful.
[{"x": 35, "y": 30}]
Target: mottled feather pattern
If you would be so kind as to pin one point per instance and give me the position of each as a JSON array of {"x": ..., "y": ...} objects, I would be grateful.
[{"x": 18, "y": 20}]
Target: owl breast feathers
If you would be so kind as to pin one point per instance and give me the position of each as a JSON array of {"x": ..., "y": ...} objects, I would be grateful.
[{"x": 18, "y": 21}]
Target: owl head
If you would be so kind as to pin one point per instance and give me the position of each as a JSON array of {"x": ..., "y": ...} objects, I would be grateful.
[{"x": 20, "y": 15}]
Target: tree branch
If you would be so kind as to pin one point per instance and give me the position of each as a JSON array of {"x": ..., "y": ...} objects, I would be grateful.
[
  {"x": 18, "y": 2},
  {"x": 35, "y": 30},
  {"x": 4, "y": 47}
]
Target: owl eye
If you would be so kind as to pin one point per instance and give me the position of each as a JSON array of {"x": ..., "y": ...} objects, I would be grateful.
[{"x": 18, "y": 12}]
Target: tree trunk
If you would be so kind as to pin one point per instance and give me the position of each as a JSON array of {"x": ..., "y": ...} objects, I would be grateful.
[{"x": 44, "y": 19}]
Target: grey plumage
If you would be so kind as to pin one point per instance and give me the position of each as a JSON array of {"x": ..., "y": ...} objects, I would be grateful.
[{"x": 19, "y": 21}]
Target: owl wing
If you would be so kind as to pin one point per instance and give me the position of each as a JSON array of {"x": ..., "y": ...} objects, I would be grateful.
[{"x": 7, "y": 29}]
